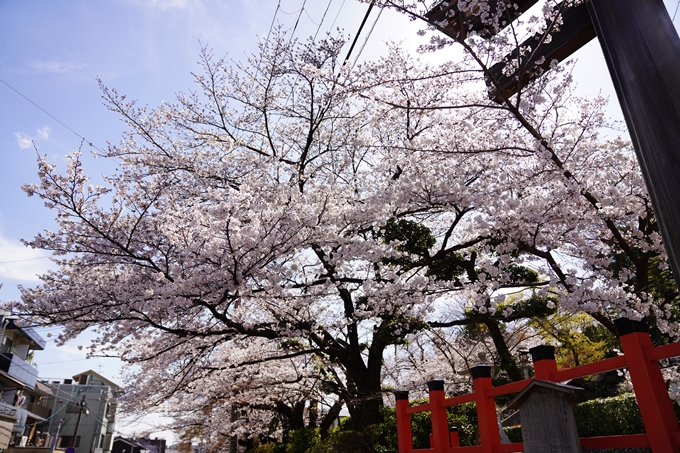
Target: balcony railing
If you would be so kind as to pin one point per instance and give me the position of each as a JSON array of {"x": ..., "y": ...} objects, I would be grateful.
[
  {"x": 7, "y": 409},
  {"x": 38, "y": 409},
  {"x": 18, "y": 369},
  {"x": 4, "y": 349}
]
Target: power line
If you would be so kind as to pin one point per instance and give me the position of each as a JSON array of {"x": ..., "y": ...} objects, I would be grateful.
[
  {"x": 338, "y": 13},
  {"x": 363, "y": 22},
  {"x": 27, "y": 259},
  {"x": 278, "y": 7},
  {"x": 322, "y": 19},
  {"x": 367, "y": 36},
  {"x": 50, "y": 115},
  {"x": 318, "y": 28},
  {"x": 297, "y": 21}
]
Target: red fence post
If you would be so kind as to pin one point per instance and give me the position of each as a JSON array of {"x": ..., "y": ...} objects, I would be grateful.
[
  {"x": 404, "y": 435},
  {"x": 486, "y": 408},
  {"x": 453, "y": 435},
  {"x": 440, "y": 440},
  {"x": 650, "y": 389},
  {"x": 543, "y": 357}
]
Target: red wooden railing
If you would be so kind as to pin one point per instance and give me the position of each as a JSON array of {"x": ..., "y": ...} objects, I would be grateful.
[{"x": 639, "y": 356}]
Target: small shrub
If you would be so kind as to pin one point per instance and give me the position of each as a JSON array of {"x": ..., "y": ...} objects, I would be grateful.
[
  {"x": 514, "y": 433},
  {"x": 301, "y": 440},
  {"x": 609, "y": 416},
  {"x": 347, "y": 441}
]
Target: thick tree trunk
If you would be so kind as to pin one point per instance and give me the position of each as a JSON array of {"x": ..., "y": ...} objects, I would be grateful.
[
  {"x": 365, "y": 411},
  {"x": 313, "y": 414},
  {"x": 365, "y": 402},
  {"x": 329, "y": 418},
  {"x": 507, "y": 362}
]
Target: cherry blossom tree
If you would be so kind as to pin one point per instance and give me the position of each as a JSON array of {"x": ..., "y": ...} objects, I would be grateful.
[
  {"x": 266, "y": 239},
  {"x": 620, "y": 267}
]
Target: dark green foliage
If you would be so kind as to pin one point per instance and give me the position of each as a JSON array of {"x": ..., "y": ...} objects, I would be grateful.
[
  {"x": 421, "y": 427},
  {"x": 448, "y": 266},
  {"x": 266, "y": 448},
  {"x": 662, "y": 283},
  {"x": 345, "y": 442},
  {"x": 416, "y": 238},
  {"x": 610, "y": 416},
  {"x": 462, "y": 416},
  {"x": 385, "y": 434},
  {"x": 598, "y": 417},
  {"x": 345, "y": 424},
  {"x": 597, "y": 333},
  {"x": 521, "y": 274},
  {"x": 291, "y": 345},
  {"x": 533, "y": 307},
  {"x": 301, "y": 440},
  {"x": 514, "y": 433},
  {"x": 416, "y": 242}
]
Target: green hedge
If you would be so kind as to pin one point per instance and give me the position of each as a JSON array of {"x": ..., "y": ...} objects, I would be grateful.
[{"x": 611, "y": 416}]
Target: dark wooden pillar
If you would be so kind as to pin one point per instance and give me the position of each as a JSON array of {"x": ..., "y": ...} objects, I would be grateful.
[{"x": 642, "y": 50}]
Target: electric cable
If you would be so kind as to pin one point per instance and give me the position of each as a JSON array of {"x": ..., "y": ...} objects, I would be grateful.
[
  {"x": 323, "y": 18},
  {"x": 318, "y": 28},
  {"x": 50, "y": 115},
  {"x": 367, "y": 37},
  {"x": 278, "y": 7},
  {"x": 356, "y": 37},
  {"x": 338, "y": 13},
  {"x": 297, "y": 21},
  {"x": 27, "y": 259}
]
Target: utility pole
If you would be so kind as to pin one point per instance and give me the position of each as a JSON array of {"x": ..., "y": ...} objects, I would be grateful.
[
  {"x": 53, "y": 444},
  {"x": 83, "y": 408}
]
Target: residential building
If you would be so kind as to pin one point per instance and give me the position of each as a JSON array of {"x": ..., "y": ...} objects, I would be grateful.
[
  {"x": 138, "y": 445},
  {"x": 85, "y": 410},
  {"x": 21, "y": 396}
]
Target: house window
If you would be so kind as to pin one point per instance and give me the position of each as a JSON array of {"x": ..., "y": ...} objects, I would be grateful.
[{"x": 67, "y": 441}]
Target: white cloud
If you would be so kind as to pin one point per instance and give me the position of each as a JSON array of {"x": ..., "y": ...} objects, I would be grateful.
[
  {"x": 43, "y": 133},
  {"x": 18, "y": 262},
  {"x": 55, "y": 67},
  {"x": 164, "y": 4},
  {"x": 23, "y": 140}
]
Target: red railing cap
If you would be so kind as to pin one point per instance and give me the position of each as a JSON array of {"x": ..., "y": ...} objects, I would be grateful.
[
  {"x": 626, "y": 326},
  {"x": 542, "y": 352},
  {"x": 480, "y": 371},
  {"x": 401, "y": 395},
  {"x": 435, "y": 384}
]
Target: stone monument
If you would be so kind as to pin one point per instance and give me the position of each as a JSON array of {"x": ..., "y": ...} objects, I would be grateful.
[{"x": 547, "y": 417}]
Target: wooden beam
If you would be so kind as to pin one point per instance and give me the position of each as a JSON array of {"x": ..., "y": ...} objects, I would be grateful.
[
  {"x": 576, "y": 31},
  {"x": 642, "y": 50},
  {"x": 457, "y": 23}
]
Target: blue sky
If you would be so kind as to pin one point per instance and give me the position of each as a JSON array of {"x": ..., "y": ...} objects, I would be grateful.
[{"x": 51, "y": 51}]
